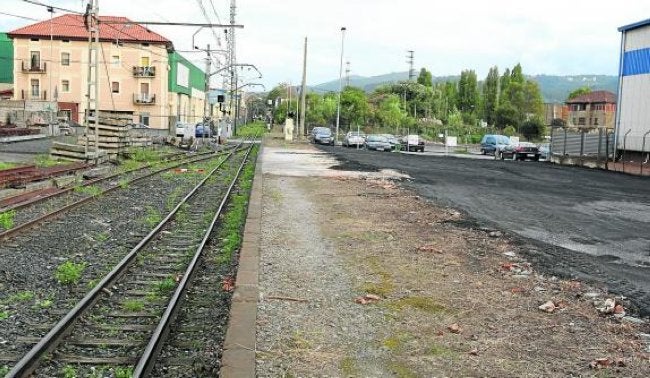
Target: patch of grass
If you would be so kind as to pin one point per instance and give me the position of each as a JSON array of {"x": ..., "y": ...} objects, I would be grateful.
[
  {"x": 401, "y": 371},
  {"x": 130, "y": 165},
  {"x": 440, "y": 351},
  {"x": 23, "y": 296},
  {"x": 133, "y": 305},
  {"x": 425, "y": 304},
  {"x": 4, "y": 315},
  {"x": 90, "y": 190},
  {"x": 395, "y": 342},
  {"x": 298, "y": 341},
  {"x": 6, "y": 165},
  {"x": 348, "y": 366},
  {"x": 152, "y": 217},
  {"x": 144, "y": 155},
  {"x": 44, "y": 303},
  {"x": 256, "y": 128},
  {"x": 69, "y": 371},
  {"x": 123, "y": 372},
  {"x": 7, "y": 219},
  {"x": 4, "y": 370},
  {"x": 102, "y": 236},
  {"x": 69, "y": 272},
  {"x": 46, "y": 161},
  {"x": 165, "y": 286},
  {"x": 123, "y": 183}
]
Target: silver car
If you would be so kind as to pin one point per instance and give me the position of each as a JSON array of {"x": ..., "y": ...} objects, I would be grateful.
[
  {"x": 378, "y": 143},
  {"x": 354, "y": 138}
]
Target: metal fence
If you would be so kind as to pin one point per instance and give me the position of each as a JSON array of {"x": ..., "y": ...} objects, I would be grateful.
[{"x": 581, "y": 146}]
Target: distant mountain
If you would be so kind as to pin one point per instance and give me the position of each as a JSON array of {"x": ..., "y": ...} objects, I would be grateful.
[{"x": 554, "y": 88}]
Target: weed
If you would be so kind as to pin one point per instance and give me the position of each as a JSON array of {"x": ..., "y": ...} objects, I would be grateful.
[
  {"x": 133, "y": 305},
  {"x": 90, "y": 190},
  {"x": 129, "y": 165},
  {"x": 7, "y": 219},
  {"x": 182, "y": 215},
  {"x": 69, "y": 272},
  {"x": 172, "y": 198},
  {"x": 45, "y": 161},
  {"x": 298, "y": 341},
  {"x": 256, "y": 128},
  {"x": 44, "y": 303},
  {"x": 4, "y": 370},
  {"x": 123, "y": 372},
  {"x": 440, "y": 351},
  {"x": 383, "y": 288},
  {"x": 69, "y": 372},
  {"x": 123, "y": 183},
  {"x": 395, "y": 342},
  {"x": 421, "y": 303},
  {"x": 4, "y": 165},
  {"x": 401, "y": 371},
  {"x": 102, "y": 236},
  {"x": 23, "y": 296},
  {"x": 4, "y": 315},
  {"x": 152, "y": 217},
  {"x": 165, "y": 286},
  {"x": 348, "y": 367}
]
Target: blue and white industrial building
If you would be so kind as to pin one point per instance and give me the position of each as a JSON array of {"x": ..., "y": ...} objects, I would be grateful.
[{"x": 633, "y": 117}]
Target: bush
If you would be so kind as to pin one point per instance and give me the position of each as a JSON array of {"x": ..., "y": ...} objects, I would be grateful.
[
  {"x": 509, "y": 131},
  {"x": 69, "y": 272},
  {"x": 533, "y": 129}
]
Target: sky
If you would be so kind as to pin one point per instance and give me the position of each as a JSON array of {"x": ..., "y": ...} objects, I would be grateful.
[{"x": 554, "y": 37}]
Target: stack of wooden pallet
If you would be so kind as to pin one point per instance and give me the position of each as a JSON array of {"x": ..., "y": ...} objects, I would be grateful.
[{"x": 112, "y": 136}]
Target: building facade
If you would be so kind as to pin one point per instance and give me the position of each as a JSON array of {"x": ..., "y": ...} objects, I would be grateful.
[
  {"x": 594, "y": 109},
  {"x": 51, "y": 64},
  {"x": 633, "y": 120},
  {"x": 186, "y": 84}
]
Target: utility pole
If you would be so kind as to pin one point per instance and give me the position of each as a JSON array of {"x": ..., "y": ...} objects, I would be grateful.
[
  {"x": 233, "y": 61},
  {"x": 206, "y": 107},
  {"x": 303, "y": 92},
  {"x": 347, "y": 73},
  {"x": 92, "y": 103},
  {"x": 411, "y": 61}
]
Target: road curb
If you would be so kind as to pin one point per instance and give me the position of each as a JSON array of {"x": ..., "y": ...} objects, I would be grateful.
[{"x": 238, "y": 359}]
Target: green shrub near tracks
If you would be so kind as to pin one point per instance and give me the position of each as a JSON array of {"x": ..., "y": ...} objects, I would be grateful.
[
  {"x": 7, "y": 219},
  {"x": 69, "y": 272}
]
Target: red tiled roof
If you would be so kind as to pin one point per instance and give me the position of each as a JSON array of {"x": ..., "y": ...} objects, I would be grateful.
[
  {"x": 606, "y": 97},
  {"x": 71, "y": 26}
]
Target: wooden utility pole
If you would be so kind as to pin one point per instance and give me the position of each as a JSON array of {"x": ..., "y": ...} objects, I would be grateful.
[{"x": 303, "y": 92}]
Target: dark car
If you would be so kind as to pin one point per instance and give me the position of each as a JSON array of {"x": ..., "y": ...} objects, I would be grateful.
[
  {"x": 520, "y": 151},
  {"x": 324, "y": 136},
  {"x": 203, "y": 131},
  {"x": 493, "y": 142},
  {"x": 378, "y": 143},
  {"x": 315, "y": 131}
]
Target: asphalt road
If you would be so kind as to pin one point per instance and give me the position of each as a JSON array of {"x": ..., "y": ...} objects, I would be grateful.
[{"x": 588, "y": 224}]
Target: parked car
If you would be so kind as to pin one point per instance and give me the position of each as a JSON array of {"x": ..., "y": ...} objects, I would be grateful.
[
  {"x": 413, "y": 143},
  {"x": 493, "y": 142},
  {"x": 378, "y": 143},
  {"x": 520, "y": 151},
  {"x": 203, "y": 131},
  {"x": 180, "y": 129},
  {"x": 352, "y": 138},
  {"x": 544, "y": 151},
  {"x": 393, "y": 140},
  {"x": 324, "y": 136},
  {"x": 315, "y": 131}
]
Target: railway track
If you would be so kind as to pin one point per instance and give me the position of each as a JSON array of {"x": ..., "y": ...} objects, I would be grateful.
[
  {"x": 119, "y": 327},
  {"x": 38, "y": 210}
]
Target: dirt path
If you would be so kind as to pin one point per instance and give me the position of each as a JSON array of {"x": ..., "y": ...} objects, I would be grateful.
[{"x": 360, "y": 277}]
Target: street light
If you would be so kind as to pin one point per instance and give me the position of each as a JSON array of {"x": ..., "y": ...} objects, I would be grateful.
[{"x": 338, "y": 105}]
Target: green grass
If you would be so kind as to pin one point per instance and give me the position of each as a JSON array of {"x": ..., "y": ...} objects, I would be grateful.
[
  {"x": 69, "y": 272},
  {"x": 4, "y": 315},
  {"x": 421, "y": 303},
  {"x": 123, "y": 183},
  {"x": 69, "y": 371},
  {"x": 123, "y": 372},
  {"x": 152, "y": 217},
  {"x": 6, "y": 165},
  {"x": 130, "y": 165},
  {"x": 102, "y": 236},
  {"x": 133, "y": 305},
  {"x": 44, "y": 303},
  {"x": 23, "y": 296},
  {"x": 4, "y": 370},
  {"x": 7, "y": 219},
  {"x": 144, "y": 155},
  {"x": 257, "y": 128},
  {"x": 90, "y": 190},
  {"x": 348, "y": 366},
  {"x": 165, "y": 286},
  {"x": 46, "y": 161}
]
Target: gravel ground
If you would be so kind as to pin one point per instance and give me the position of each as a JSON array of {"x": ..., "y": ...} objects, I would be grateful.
[{"x": 447, "y": 298}]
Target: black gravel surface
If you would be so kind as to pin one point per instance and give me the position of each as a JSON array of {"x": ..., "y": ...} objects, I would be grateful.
[
  {"x": 97, "y": 234},
  {"x": 589, "y": 224}
]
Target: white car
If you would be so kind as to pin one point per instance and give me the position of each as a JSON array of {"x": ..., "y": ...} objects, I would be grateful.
[
  {"x": 353, "y": 138},
  {"x": 180, "y": 129}
]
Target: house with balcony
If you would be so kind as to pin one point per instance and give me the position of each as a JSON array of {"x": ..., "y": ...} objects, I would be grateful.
[
  {"x": 51, "y": 64},
  {"x": 592, "y": 110}
]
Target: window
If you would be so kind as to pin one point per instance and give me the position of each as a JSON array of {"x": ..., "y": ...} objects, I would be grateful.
[
  {"x": 581, "y": 121},
  {"x": 144, "y": 61},
  {"x": 574, "y": 121},
  {"x": 596, "y": 121},
  {"x": 36, "y": 88},
  {"x": 145, "y": 44},
  {"x": 34, "y": 60},
  {"x": 34, "y": 39},
  {"x": 144, "y": 118},
  {"x": 65, "y": 40},
  {"x": 65, "y": 86},
  {"x": 115, "y": 61},
  {"x": 65, "y": 59},
  {"x": 118, "y": 43},
  {"x": 115, "y": 87}
]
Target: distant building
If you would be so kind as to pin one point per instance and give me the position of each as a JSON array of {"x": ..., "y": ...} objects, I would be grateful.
[
  {"x": 594, "y": 109},
  {"x": 633, "y": 121},
  {"x": 51, "y": 64},
  {"x": 554, "y": 111},
  {"x": 187, "y": 89}
]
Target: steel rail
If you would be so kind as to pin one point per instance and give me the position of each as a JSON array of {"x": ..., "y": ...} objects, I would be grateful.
[
  {"x": 148, "y": 359},
  {"x": 51, "y": 340},
  {"x": 22, "y": 227},
  {"x": 87, "y": 183}
]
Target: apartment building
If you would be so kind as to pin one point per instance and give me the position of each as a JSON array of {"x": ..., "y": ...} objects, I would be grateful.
[
  {"x": 594, "y": 109},
  {"x": 187, "y": 90},
  {"x": 51, "y": 64}
]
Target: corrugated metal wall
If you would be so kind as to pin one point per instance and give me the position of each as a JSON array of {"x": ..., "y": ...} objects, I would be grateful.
[{"x": 572, "y": 142}]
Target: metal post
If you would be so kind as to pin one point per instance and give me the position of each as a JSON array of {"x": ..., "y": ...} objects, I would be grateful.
[
  {"x": 600, "y": 142},
  {"x": 643, "y": 151},
  {"x": 582, "y": 146},
  {"x": 206, "y": 108},
  {"x": 564, "y": 152},
  {"x": 338, "y": 105},
  {"x": 625, "y": 148}
]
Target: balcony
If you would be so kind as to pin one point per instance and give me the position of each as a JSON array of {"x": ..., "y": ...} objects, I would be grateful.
[
  {"x": 144, "y": 71},
  {"x": 144, "y": 99},
  {"x": 33, "y": 67}
]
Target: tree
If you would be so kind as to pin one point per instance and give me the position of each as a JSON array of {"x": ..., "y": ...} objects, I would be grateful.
[
  {"x": 506, "y": 115},
  {"x": 505, "y": 82},
  {"x": 533, "y": 129},
  {"x": 579, "y": 92},
  {"x": 425, "y": 78},
  {"x": 354, "y": 106},
  {"x": 389, "y": 112},
  {"x": 468, "y": 92},
  {"x": 509, "y": 131},
  {"x": 491, "y": 95}
]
